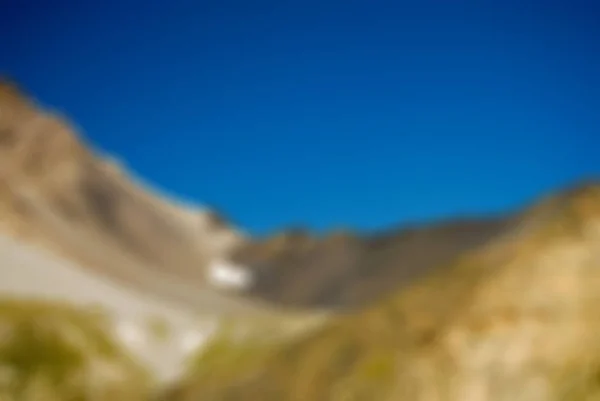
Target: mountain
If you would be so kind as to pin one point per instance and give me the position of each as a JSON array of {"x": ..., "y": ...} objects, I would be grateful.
[
  {"x": 58, "y": 193},
  {"x": 517, "y": 318},
  {"x": 345, "y": 270},
  {"x": 77, "y": 229},
  {"x": 52, "y": 181}
]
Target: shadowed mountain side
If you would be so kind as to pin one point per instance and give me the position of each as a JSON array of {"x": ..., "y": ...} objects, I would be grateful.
[{"x": 346, "y": 270}]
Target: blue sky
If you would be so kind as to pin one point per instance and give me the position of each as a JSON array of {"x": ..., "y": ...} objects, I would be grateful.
[{"x": 357, "y": 113}]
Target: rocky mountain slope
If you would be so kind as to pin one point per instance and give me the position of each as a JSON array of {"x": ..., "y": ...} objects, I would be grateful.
[
  {"x": 515, "y": 319},
  {"x": 55, "y": 191},
  {"x": 345, "y": 270}
]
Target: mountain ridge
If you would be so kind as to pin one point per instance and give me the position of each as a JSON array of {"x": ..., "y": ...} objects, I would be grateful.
[{"x": 369, "y": 266}]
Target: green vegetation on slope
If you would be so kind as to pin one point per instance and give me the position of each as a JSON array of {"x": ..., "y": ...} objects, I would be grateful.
[{"x": 50, "y": 351}]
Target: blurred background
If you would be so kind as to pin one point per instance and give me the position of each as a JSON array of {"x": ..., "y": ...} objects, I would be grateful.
[{"x": 157, "y": 160}]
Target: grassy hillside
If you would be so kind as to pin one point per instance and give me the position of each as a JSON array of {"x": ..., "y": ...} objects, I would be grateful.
[
  {"x": 518, "y": 320},
  {"x": 54, "y": 352}
]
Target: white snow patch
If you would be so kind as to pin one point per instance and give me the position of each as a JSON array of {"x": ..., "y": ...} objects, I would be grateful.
[{"x": 228, "y": 275}]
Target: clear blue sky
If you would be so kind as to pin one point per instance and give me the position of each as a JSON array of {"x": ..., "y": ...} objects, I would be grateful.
[{"x": 352, "y": 113}]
